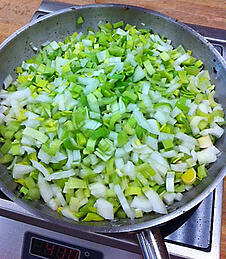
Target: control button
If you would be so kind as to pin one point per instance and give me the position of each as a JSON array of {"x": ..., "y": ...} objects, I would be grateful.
[
  {"x": 219, "y": 48},
  {"x": 87, "y": 254}
]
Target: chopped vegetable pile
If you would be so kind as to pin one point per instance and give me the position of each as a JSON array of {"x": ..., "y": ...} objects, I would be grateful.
[{"x": 109, "y": 124}]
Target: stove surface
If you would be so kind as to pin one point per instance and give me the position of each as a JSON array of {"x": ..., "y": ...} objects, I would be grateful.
[
  {"x": 194, "y": 235},
  {"x": 188, "y": 241}
]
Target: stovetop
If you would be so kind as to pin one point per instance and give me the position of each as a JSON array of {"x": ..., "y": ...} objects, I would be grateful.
[{"x": 195, "y": 235}]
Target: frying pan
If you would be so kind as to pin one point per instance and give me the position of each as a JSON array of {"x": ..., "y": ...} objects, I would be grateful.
[{"x": 57, "y": 26}]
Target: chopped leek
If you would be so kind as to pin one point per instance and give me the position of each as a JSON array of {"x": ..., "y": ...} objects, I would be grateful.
[{"x": 112, "y": 123}]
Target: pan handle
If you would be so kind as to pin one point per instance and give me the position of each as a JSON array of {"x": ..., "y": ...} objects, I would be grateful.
[{"x": 152, "y": 244}]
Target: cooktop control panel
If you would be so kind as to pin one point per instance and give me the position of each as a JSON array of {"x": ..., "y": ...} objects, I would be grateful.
[{"x": 36, "y": 246}]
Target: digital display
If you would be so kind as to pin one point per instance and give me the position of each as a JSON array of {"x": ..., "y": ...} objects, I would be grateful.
[{"x": 47, "y": 249}]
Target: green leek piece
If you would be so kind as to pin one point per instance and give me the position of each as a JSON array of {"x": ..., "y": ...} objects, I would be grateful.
[
  {"x": 35, "y": 134},
  {"x": 79, "y": 194},
  {"x": 80, "y": 20},
  {"x": 34, "y": 175},
  {"x": 198, "y": 98},
  {"x": 78, "y": 116},
  {"x": 34, "y": 194},
  {"x": 90, "y": 203},
  {"x": 161, "y": 190},
  {"x": 133, "y": 190},
  {"x": 168, "y": 144},
  {"x": 55, "y": 146},
  {"x": 90, "y": 146},
  {"x": 74, "y": 204},
  {"x": 165, "y": 56},
  {"x": 92, "y": 209},
  {"x": 115, "y": 179},
  {"x": 130, "y": 96},
  {"x": 122, "y": 138},
  {"x": 15, "y": 148},
  {"x": 80, "y": 214},
  {"x": 29, "y": 182},
  {"x": 42, "y": 83},
  {"x": 178, "y": 175},
  {"x": 100, "y": 133},
  {"x": 128, "y": 129},
  {"x": 183, "y": 76},
  {"x": 192, "y": 70},
  {"x": 218, "y": 113},
  {"x": 6, "y": 146},
  {"x": 81, "y": 139},
  {"x": 66, "y": 68},
  {"x": 139, "y": 213},
  {"x": 9, "y": 134},
  {"x": 190, "y": 61},
  {"x": 203, "y": 124},
  {"x": 70, "y": 143},
  {"x": 110, "y": 193},
  {"x": 69, "y": 125},
  {"x": 181, "y": 104},
  {"x": 69, "y": 196},
  {"x": 198, "y": 63},
  {"x": 179, "y": 188},
  {"x": 14, "y": 126},
  {"x": 86, "y": 192},
  {"x": 202, "y": 173},
  {"x": 61, "y": 182},
  {"x": 118, "y": 24},
  {"x": 110, "y": 166},
  {"x": 7, "y": 158},
  {"x": 102, "y": 155},
  {"x": 24, "y": 190},
  {"x": 108, "y": 25},
  {"x": 116, "y": 51},
  {"x": 114, "y": 119},
  {"x": 131, "y": 122},
  {"x": 148, "y": 66},
  {"x": 139, "y": 131},
  {"x": 157, "y": 105},
  {"x": 146, "y": 168},
  {"x": 75, "y": 183},
  {"x": 93, "y": 217},
  {"x": 121, "y": 214},
  {"x": 155, "y": 188},
  {"x": 50, "y": 126},
  {"x": 211, "y": 100},
  {"x": 93, "y": 103},
  {"x": 168, "y": 129}
]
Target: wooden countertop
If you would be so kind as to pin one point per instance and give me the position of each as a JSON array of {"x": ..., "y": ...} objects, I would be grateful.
[{"x": 212, "y": 13}]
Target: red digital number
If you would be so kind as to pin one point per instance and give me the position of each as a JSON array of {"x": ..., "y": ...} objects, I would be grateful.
[
  {"x": 49, "y": 249},
  {"x": 73, "y": 254},
  {"x": 61, "y": 252}
]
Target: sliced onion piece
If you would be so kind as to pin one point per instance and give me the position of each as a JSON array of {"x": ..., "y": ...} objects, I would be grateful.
[
  {"x": 180, "y": 167},
  {"x": 206, "y": 156},
  {"x": 156, "y": 202},
  {"x": 45, "y": 188},
  {"x": 125, "y": 205},
  {"x": 170, "y": 181},
  {"x": 19, "y": 171},
  {"x": 142, "y": 203},
  {"x": 98, "y": 189},
  {"x": 105, "y": 209},
  {"x": 169, "y": 198},
  {"x": 66, "y": 212}
]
